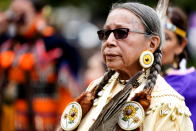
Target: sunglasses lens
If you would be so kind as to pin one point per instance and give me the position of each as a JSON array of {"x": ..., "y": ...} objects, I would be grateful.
[
  {"x": 121, "y": 33},
  {"x": 107, "y": 34},
  {"x": 101, "y": 34}
]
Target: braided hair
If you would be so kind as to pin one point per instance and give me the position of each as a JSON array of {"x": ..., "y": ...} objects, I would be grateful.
[
  {"x": 152, "y": 26},
  {"x": 86, "y": 98},
  {"x": 104, "y": 81},
  {"x": 154, "y": 70}
]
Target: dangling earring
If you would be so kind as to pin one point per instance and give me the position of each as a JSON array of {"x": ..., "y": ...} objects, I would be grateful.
[
  {"x": 146, "y": 59},
  {"x": 175, "y": 63}
]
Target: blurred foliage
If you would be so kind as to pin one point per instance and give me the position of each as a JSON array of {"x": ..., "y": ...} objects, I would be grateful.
[
  {"x": 98, "y": 8},
  {"x": 187, "y": 5},
  {"x": 4, "y": 4},
  {"x": 101, "y": 7}
]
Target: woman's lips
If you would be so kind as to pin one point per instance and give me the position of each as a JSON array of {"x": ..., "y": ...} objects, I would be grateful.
[{"x": 110, "y": 56}]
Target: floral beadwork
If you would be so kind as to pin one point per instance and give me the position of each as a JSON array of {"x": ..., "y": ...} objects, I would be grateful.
[
  {"x": 72, "y": 114},
  {"x": 132, "y": 116},
  {"x": 128, "y": 112}
]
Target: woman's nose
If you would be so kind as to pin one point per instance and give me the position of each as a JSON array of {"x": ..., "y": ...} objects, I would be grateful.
[{"x": 111, "y": 41}]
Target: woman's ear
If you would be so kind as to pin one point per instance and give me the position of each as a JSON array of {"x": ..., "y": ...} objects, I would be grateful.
[{"x": 153, "y": 43}]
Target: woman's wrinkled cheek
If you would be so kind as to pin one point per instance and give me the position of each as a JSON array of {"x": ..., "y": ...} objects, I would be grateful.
[
  {"x": 104, "y": 59},
  {"x": 103, "y": 56}
]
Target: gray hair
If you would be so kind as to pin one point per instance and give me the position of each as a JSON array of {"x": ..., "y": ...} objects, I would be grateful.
[
  {"x": 152, "y": 26},
  {"x": 146, "y": 14}
]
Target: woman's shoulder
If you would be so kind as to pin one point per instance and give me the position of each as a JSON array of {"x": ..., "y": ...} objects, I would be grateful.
[
  {"x": 94, "y": 83},
  {"x": 164, "y": 95},
  {"x": 163, "y": 88},
  {"x": 97, "y": 81}
]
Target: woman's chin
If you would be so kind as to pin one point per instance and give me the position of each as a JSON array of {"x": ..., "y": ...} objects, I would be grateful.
[{"x": 113, "y": 66}]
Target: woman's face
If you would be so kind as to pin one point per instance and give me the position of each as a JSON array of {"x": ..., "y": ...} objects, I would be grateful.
[
  {"x": 171, "y": 48},
  {"x": 123, "y": 54}
]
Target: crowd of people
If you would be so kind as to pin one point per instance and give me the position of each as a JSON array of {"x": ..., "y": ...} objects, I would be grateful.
[
  {"x": 38, "y": 69},
  {"x": 140, "y": 80}
]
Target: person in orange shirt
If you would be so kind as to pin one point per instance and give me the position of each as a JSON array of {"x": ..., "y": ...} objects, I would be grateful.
[{"x": 32, "y": 59}]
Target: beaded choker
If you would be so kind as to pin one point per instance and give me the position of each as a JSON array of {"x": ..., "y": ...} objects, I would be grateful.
[
  {"x": 123, "y": 82},
  {"x": 141, "y": 78}
]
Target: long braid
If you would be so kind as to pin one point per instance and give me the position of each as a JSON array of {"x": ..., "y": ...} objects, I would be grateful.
[
  {"x": 144, "y": 97},
  {"x": 154, "y": 70},
  {"x": 86, "y": 98},
  {"x": 104, "y": 81}
]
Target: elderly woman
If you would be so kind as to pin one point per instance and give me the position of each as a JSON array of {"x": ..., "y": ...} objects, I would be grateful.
[
  {"x": 182, "y": 79},
  {"x": 131, "y": 95}
]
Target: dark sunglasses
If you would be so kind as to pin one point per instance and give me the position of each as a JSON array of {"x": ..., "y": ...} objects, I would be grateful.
[{"x": 120, "y": 33}]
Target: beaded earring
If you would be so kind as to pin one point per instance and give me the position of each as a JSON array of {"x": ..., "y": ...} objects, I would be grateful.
[{"x": 146, "y": 59}]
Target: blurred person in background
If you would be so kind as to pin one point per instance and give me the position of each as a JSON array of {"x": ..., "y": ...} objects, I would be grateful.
[
  {"x": 3, "y": 29},
  {"x": 175, "y": 57},
  {"x": 191, "y": 37},
  {"x": 35, "y": 61}
]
